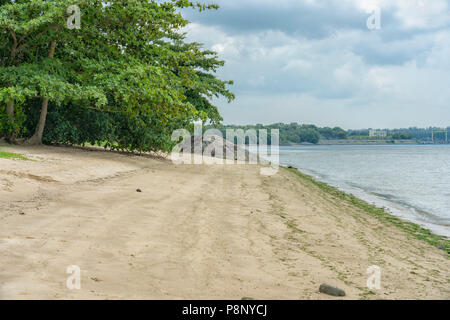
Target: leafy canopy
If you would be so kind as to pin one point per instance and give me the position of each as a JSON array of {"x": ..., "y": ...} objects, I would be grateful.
[{"x": 129, "y": 58}]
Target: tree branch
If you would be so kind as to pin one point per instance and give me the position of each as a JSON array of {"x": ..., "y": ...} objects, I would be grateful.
[{"x": 14, "y": 47}]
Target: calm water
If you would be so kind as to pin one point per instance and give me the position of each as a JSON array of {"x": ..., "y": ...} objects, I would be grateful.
[{"x": 413, "y": 181}]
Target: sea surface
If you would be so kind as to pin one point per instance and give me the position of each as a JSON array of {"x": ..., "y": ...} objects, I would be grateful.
[{"x": 412, "y": 181}]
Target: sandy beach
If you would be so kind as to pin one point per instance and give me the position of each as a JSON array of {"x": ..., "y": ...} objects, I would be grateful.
[{"x": 194, "y": 232}]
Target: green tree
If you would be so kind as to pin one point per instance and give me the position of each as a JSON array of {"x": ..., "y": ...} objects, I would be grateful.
[{"x": 127, "y": 60}]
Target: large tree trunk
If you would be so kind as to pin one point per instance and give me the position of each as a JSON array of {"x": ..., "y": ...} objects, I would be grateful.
[
  {"x": 10, "y": 113},
  {"x": 10, "y": 106},
  {"x": 37, "y": 137}
]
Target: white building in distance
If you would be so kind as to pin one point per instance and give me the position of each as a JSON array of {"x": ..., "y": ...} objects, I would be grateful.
[{"x": 377, "y": 133}]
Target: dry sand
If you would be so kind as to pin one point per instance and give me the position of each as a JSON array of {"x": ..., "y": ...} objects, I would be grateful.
[{"x": 195, "y": 232}]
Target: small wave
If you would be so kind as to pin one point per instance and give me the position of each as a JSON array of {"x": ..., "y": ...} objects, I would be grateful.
[
  {"x": 390, "y": 202},
  {"x": 395, "y": 203}
]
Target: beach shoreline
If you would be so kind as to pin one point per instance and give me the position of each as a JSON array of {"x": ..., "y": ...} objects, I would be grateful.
[
  {"x": 391, "y": 206},
  {"x": 422, "y": 232},
  {"x": 195, "y": 232}
]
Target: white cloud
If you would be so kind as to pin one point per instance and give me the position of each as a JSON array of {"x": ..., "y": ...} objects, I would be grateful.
[
  {"x": 351, "y": 77},
  {"x": 423, "y": 14}
]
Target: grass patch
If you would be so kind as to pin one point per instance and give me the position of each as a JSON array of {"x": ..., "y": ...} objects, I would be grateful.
[
  {"x": 10, "y": 155},
  {"x": 411, "y": 228}
]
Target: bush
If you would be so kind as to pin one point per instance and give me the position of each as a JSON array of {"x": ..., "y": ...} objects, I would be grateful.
[{"x": 75, "y": 125}]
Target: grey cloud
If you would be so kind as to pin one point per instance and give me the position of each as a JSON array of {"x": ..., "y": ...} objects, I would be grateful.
[
  {"x": 300, "y": 20},
  {"x": 299, "y": 62},
  {"x": 297, "y": 19}
]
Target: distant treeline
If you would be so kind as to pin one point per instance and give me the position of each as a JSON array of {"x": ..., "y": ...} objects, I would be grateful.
[
  {"x": 295, "y": 133},
  {"x": 391, "y": 134},
  {"x": 421, "y": 134}
]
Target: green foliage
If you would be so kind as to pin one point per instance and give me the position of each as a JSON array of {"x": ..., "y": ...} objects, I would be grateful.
[
  {"x": 74, "y": 125},
  {"x": 333, "y": 133},
  {"x": 14, "y": 126},
  {"x": 295, "y": 133},
  {"x": 358, "y": 133},
  {"x": 391, "y": 135},
  {"x": 127, "y": 67},
  {"x": 423, "y": 134},
  {"x": 402, "y": 136},
  {"x": 10, "y": 155}
]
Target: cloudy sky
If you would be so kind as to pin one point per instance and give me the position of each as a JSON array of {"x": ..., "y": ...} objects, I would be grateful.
[{"x": 316, "y": 61}]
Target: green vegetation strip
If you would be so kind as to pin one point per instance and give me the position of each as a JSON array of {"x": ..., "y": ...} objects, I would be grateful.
[
  {"x": 10, "y": 155},
  {"x": 415, "y": 230}
]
